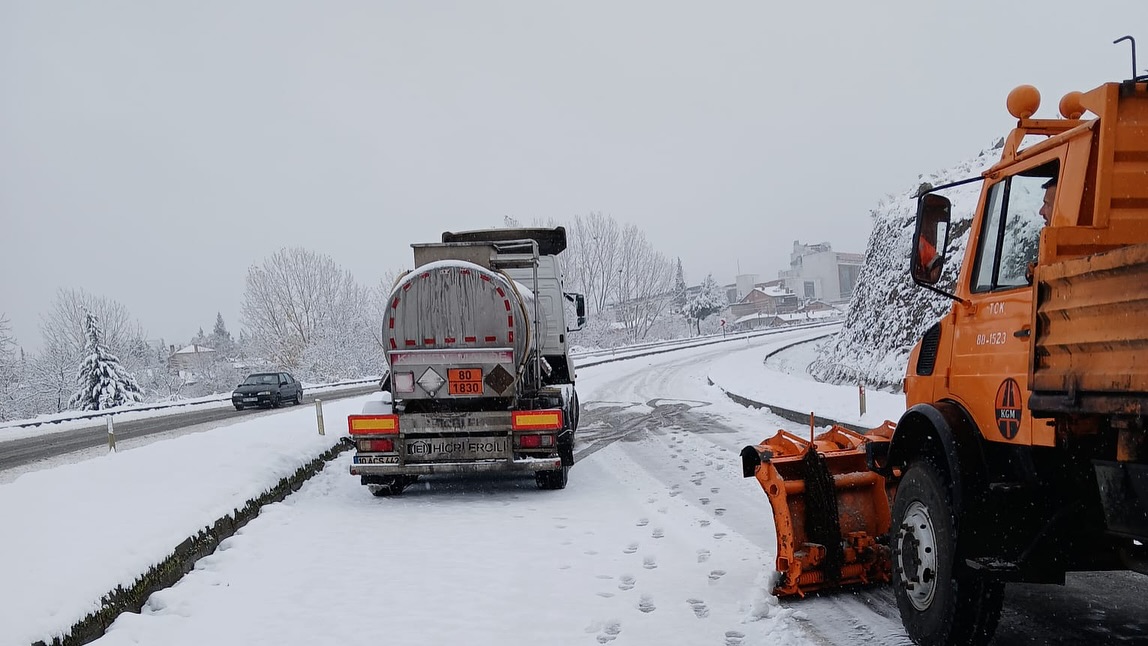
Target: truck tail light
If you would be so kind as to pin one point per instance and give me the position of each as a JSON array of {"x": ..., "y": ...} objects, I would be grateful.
[
  {"x": 373, "y": 424},
  {"x": 377, "y": 446},
  {"x": 403, "y": 382},
  {"x": 532, "y": 441},
  {"x": 536, "y": 420}
]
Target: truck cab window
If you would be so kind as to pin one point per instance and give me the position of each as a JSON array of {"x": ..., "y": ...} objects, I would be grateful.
[{"x": 1011, "y": 233}]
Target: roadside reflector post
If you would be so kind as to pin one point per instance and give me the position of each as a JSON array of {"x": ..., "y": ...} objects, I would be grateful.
[
  {"x": 319, "y": 415},
  {"x": 861, "y": 397},
  {"x": 812, "y": 426},
  {"x": 111, "y": 436}
]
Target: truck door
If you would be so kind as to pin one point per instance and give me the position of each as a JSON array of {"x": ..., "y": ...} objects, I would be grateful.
[{"x": 989, "y": 373}]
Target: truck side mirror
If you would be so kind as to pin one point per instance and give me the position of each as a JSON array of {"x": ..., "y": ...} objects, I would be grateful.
[
  {"x": 579, "y": 309},
  {"x": 930, "y": 238}
]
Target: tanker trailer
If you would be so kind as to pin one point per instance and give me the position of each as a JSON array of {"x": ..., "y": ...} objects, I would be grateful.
[{"x": 481, "y": 378}]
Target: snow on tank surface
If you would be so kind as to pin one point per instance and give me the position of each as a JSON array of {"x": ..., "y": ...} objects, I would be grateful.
[{"x": 458, "y": 304}]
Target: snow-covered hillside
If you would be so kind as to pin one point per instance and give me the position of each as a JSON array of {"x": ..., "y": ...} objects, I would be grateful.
[{"x": 888, "y": 313}]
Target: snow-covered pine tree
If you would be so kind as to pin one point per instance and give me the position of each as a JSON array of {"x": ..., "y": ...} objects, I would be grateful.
[
  {"x": 103, "y": 382},
  {"x": 707, "y": 302}
]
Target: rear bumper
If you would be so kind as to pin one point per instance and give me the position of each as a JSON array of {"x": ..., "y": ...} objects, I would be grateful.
[{"x": 522, "y": 465}]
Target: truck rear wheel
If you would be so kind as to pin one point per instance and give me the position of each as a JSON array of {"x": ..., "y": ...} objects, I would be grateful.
[
  {"x": 555, "y": 479},
  {"x": 391, "y": 485},
  {"x": 939, "y": 603}
]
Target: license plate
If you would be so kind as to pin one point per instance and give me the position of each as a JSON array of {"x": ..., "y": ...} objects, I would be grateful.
[
  {"x": 376, "y": 459},
  {"x": 250, "y": 399},
  {"x": 458, "y": 448},
  {"x": 464, "y": 381}
]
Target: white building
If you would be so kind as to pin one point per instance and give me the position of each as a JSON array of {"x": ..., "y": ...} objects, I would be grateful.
[{"x": 817, "y": 272}]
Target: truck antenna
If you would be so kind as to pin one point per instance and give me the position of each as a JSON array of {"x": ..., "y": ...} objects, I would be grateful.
[{"x": 1131, "y": 40}]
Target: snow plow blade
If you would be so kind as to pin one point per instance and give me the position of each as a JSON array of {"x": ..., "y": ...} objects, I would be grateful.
[{"x": 830, "y": 510}]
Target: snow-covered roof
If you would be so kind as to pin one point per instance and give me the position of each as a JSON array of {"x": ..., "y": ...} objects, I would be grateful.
[
  {"x": 774, "y": 290},
  {"x": 194, "y": 349}
]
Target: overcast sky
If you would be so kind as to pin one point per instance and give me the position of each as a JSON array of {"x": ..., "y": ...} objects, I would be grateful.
[{"x": 150, "y": 152}]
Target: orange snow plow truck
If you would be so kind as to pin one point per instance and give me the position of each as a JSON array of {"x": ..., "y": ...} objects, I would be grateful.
[{"x": 1022, "y": 453}]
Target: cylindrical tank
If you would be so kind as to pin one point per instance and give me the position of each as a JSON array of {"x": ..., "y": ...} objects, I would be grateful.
[{"x": 456, "y": 305}]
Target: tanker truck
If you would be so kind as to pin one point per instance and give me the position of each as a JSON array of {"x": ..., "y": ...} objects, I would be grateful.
[
  {"x": 481, "y": 378},
  {"x": 1022, "y": 453}
]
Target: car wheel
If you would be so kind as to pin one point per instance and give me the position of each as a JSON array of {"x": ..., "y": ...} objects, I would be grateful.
[
  {"x": 299, "y": 398},
  {"x": 239, "y": 407},
  {"x": 938, "y": 601},
  {"x": 275, "y": 403}
]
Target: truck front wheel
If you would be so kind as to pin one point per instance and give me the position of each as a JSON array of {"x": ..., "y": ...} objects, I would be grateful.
[{"x": 940, "y": 603}]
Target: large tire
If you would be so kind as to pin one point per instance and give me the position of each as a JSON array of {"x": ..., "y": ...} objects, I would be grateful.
[
  {"x": 275, "y": 401},
  {"x": 555, "y": 479},
  {"x": 941, "y": 603},
  {"x": 298, "y": 397}
]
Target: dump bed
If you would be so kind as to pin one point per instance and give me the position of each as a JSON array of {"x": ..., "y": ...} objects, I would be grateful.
[{"x": 1090, "y": 347}]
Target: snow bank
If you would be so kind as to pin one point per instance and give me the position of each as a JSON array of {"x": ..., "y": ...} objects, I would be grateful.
[{"x": 73, "y": 533}]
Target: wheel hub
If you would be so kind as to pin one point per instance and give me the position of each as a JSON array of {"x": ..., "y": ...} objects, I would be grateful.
[{"x": 916, "y": 554}]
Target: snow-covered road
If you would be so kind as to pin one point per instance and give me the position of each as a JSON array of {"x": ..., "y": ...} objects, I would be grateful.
[{"x": 657, "y": 539}]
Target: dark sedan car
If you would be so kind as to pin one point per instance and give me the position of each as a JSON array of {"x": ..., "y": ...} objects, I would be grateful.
[{"x": 267, "y": 389}]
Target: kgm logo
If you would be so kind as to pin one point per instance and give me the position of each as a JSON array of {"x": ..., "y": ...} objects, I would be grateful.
[{"x": 1008, "y": 411}]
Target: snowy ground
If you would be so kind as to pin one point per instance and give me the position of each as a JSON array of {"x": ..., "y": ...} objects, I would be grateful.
[{"x": 657, "y": 538}]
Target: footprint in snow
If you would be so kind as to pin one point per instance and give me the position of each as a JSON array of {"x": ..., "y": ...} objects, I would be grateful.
[
  {"x": 719, "y": 535},
  {"x": 631, "y": 548},
  {"x": 647, "y": 604},
  {"x": 719, "y": 511},
  {"x": 704, "y": 523},
  {"x": 719, "y": 466},
  {"x": 642, "y": 522},
  {"x": 604, "y": 577},
  {"x": 700, "y": 609},
  {"x": 658, "y": 532},
  {"x": 605, "y": 595},
  {"x": 651, "y": 500},
  {"x": 626, "y": 582},
  {"x": 649, "y": 562},
  {"x": 662, "y": 510},
  {"x": 716, "y": 574},
  {"x": 674, "y": 493},
  {"x": 682, "y": 467},
  {"x": 703, "y": 555},
  {"x": 610, "y": 633},
  {"x": 704, "y": 501},
  {"x": 734, "y": 638},
  {"x": 590, "y": 553},
  {"x": 715, "y": 489}
]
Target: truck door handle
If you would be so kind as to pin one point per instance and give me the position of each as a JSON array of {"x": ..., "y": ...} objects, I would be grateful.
[{"x": 1023, "y": 333}]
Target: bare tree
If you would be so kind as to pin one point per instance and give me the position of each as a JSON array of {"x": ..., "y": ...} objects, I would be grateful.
[
  {"x": 594, "y": 258},
  {"x": 10, "y": 373},
  {"x": 644, "y": 285},
  {"x": 293, "y": 297},
  {"x": 64, "y": 336}
]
